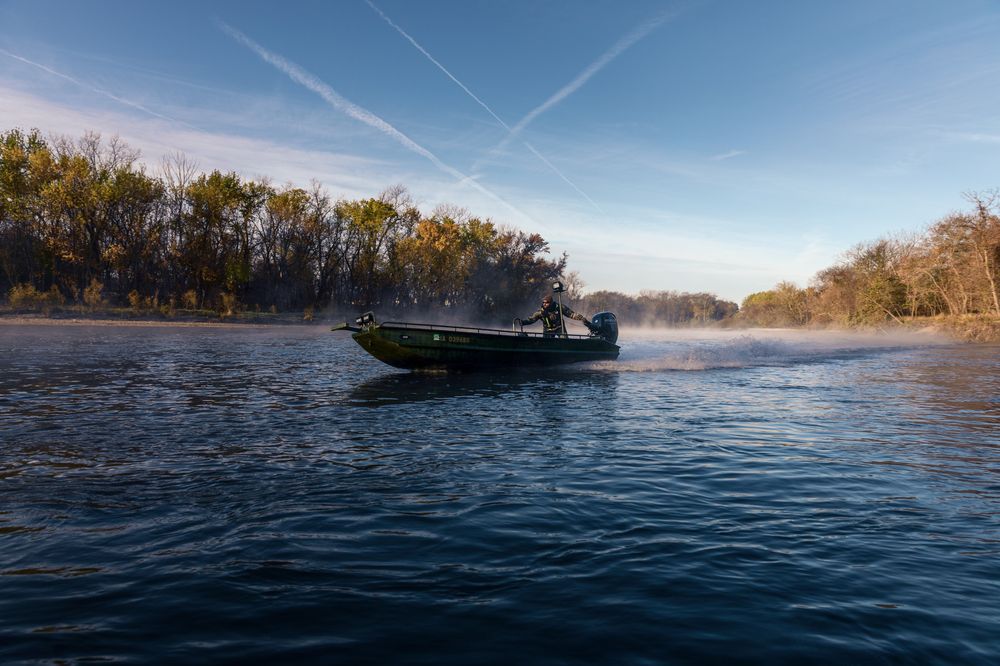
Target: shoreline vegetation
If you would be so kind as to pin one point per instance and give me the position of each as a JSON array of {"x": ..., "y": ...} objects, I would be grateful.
[
  {"x": 969, "y": 328},
  {"x": 87, "y": 234}
]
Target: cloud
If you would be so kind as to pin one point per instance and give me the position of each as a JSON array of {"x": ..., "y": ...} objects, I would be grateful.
[
  {"x": 347, "y": 175},
  {"x": 81, "y": 84},
  {"x": 337, "y": 101},
  {"x": 975, "y": 137},
  {"x": 72, "y": 111},
  {"x": 726, "y": 156}
]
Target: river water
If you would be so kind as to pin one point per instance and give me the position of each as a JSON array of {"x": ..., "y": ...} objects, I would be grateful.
[{"x": 242, "y": 494}]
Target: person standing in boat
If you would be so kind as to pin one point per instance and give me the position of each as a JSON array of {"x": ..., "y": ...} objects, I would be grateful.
[{"x": 552, "y": 322}]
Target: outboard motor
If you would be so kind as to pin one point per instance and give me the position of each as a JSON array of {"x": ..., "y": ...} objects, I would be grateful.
[{"x": 607, "y": 326}]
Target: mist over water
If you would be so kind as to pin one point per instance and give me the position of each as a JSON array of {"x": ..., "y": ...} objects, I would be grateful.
[
  {"x": 239, "y": 494},
  {"x": 654, "y": 350}
]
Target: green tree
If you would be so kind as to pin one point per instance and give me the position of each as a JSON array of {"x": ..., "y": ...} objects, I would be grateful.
[
  {"x": 881, "y": 294},
  {"x": 26, "y": 163},
  {"x": 374, "y": 227},
  {"x": 216, "y": 250}
]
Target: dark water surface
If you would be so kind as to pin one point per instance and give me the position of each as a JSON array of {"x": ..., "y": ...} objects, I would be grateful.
[{"x": 188, "y": 494}]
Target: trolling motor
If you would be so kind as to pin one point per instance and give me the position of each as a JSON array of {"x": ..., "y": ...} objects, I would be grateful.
[{"x": 605, "y": 326}]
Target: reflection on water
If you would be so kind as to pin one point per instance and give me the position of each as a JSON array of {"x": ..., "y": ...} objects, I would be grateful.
[
  {"x": 275, "y": 494},
  {"x": 954, "y": 386},
  {"x": 549, "y": 384}
]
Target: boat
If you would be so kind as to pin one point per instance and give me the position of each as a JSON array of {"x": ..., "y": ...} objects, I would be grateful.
[{"x": 435, "y": 347}]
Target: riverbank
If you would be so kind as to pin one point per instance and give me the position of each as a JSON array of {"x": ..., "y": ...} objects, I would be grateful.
[
  {"x": 129, "y": 317},
  {"x": 969, "y": 328}
]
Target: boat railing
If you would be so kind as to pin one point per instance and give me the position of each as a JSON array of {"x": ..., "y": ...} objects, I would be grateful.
[{"x": 472, "y": 329}]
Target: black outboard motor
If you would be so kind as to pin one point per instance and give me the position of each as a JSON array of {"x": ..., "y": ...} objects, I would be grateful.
[{"x": 606, "y": 325}]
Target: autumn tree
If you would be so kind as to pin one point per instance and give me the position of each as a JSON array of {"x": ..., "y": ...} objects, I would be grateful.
[
  {"x": 26, "y": 163},
  {"x": 785, "y": 305}
]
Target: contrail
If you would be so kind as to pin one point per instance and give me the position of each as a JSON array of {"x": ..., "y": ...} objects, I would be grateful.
[
  {"x": 560, "y": 174},
  {"x": 334, "y": 99},
  {"x": 621, "y": 46},
  {"x": 91, "y": 88},
  {"x": 479, "y": 101},
  {"x": 439, "y": 65}
]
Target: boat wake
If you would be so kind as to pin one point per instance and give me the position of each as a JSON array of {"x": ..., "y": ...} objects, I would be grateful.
[
  {"x": 739, "y": 353},
  {"x": 716, "y": 350}
]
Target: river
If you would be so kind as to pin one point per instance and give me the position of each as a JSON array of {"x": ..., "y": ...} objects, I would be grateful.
[{"x": 240, "y": 494}]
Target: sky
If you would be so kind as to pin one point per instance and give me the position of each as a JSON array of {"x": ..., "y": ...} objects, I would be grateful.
[{"x": 698, "y": 145}]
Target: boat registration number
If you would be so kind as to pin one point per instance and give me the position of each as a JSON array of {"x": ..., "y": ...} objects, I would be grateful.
[{"x": 441, "y": 337}]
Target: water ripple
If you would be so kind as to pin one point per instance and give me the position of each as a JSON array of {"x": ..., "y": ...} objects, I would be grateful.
[{"x": 246, "y": 494}]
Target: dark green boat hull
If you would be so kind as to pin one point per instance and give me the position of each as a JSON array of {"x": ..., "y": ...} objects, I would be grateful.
[{"x": 420, "y": 347}]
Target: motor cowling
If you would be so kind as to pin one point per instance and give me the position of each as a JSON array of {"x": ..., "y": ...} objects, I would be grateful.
[{"x": 606, "y": 326}]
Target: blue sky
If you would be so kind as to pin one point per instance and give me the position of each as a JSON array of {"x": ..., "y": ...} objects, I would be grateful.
[{"x": 697, "y": 145}]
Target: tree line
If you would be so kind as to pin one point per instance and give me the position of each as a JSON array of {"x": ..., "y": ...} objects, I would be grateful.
[
  {"x": 82, "y": 221},
  {"x": 661, "y": 308},
  {"x": 950, "y": 268}
]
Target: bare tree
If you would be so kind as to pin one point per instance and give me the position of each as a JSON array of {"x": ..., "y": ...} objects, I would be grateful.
[{"x": 983, "y": 230}]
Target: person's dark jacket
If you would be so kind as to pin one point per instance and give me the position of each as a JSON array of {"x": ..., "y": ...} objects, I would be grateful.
[{"x": 552, "y": 323}]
